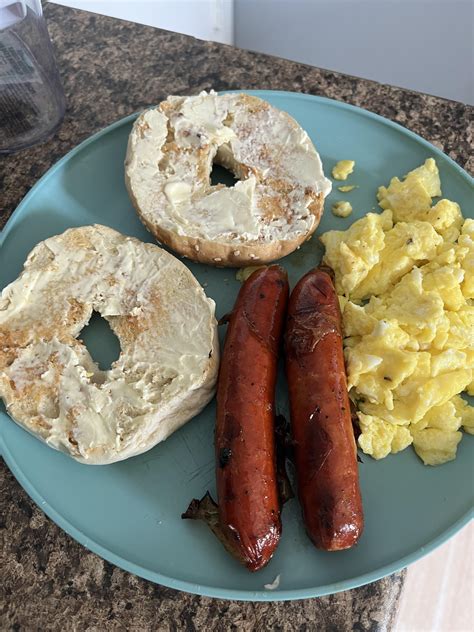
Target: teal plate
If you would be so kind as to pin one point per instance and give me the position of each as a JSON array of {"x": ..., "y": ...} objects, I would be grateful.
[{"x": 129, "y": 512}]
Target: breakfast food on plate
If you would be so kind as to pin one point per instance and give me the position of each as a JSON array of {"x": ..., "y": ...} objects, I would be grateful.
[
  {"x": 167, "y": 368},
  {"x": 347, "y": 188},
  {"x": 342, "y": 209},
  {"x": 273, "y": 207},
  {"x": 405, "y": 280},
  {"x": 243, "y": 274},
  {"x": 247, "y": 519},
  {"x": 324, "y": 445},
  {"x": 343, "y": 169}
]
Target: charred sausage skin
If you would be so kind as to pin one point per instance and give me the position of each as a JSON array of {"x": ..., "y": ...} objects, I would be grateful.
[
  {"x": 248, "y": 500},
  {"x": 324, "y": 446}
]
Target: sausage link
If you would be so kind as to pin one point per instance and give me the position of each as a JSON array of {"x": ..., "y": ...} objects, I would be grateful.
[
  {"x": 249, "y": 508},
  {"x": 325, "y": 449}
]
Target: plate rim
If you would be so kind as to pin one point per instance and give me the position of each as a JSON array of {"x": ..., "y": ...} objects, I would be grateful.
[{"x": 184, "y": 585}]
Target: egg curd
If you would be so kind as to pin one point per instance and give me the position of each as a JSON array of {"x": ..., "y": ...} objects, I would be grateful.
[
  {"x": 405, "y": 280},
  {"x": 342, "y": 209},
  {"x": 342, "y": 169}
]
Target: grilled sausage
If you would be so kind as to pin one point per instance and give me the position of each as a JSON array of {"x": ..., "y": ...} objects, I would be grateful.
[
  {"x": 249, "y": 508},
  {"x": 324, "y": 446}
]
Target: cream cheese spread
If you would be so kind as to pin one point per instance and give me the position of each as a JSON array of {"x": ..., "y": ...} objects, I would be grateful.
[
  {"x": 167, "y": 368},
  {"x": 172, "y": 149}
]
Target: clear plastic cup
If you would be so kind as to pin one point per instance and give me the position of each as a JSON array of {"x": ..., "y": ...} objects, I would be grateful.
[{"x": 32, "y": 102}]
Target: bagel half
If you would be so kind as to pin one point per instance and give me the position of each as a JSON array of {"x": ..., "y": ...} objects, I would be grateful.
[
  {"x": 276, "y": 204},
  {"x": 167, "y": 369}
]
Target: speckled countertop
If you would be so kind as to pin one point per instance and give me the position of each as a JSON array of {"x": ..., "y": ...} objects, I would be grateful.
[{"x": 112, "y": 68}]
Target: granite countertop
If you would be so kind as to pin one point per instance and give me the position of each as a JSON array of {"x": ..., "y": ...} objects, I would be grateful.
[{"x": 111, "y": 68}]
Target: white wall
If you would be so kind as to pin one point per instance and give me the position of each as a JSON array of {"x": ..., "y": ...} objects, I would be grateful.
[
  {"x": 425, "y": 45},
  {"x": 205, "y": 19}
]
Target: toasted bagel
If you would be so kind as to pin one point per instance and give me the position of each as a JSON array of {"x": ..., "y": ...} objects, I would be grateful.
[
  {"x": 167, "y": 368},
  {"x": 275, "y": 205}
]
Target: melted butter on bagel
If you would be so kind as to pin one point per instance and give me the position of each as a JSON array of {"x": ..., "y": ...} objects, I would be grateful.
[
  {"x": 274, "y": 206},
  {"x": 167, "y": 367}
]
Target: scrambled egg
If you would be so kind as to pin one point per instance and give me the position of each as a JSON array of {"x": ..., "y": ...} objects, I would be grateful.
[
  {"x": 348, "y": 187},
  {"x": 342, "y": 169},
  {"x": 243, "y": 274},
  {"x": 341, "y": 209},
  {"x": 405, "y": 280}
]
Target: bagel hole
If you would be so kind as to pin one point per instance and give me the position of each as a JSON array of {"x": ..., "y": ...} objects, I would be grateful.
[
  {"x": 221, "y": 175},
  {"x": 101, "y": 342}
]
